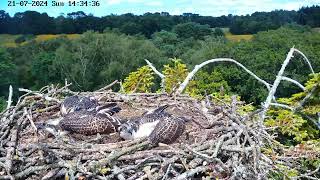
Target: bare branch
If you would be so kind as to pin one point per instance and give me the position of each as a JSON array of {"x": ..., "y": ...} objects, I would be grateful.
[
  {"x": 192, "y": 172},
  {"x": 306, "y": 59},
  {"x": 108, "y": 86},
  {"x": 10, "y": 97},
  {"x": 162, "y": 76},
  {"x": 281, "y": 105},
  {"x": 198, "y": 67},
  {"x": 154, "y": 69},
  {"x": 294, "y": 82},
  {"x": 276, "y": 83},
  {"x": 46, "y": 97}
]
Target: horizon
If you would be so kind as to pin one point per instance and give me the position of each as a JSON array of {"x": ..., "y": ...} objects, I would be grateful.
[{"x": 140, "y": 7}]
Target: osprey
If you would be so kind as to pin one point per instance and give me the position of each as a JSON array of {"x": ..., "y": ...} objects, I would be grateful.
[
  {"x": 78, "y": 103},
  {"x": 158, "y": 126},
  {"x": 167, "y": 130},
  {"x": 83, "y": 116}
]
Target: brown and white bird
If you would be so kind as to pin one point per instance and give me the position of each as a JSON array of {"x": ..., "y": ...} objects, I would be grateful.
[
  {"x": 91, "y": 122},
  {"x": 168, "y": 130},
  {"x": 78, "y": 103},
  {"x": 157, "y": 125},
  {"x": 81, "y": 119}
]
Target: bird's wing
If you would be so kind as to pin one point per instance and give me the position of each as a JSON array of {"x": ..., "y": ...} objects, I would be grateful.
[
  {"x": 88, "y": 123},
  {"x": 167, "y": 130}
]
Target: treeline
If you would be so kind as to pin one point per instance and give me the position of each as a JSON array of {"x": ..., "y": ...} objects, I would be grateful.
[
  {"x": 96, "y": 59},
  {"x": 32, "y": 22}
]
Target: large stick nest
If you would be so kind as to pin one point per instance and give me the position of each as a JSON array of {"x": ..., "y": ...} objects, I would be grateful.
[{"x": 217, "y": 143}]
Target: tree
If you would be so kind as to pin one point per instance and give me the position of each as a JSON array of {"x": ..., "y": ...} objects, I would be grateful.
[
  {"x": 7, "y": 73},
  {"x": 191, "y": 29}
]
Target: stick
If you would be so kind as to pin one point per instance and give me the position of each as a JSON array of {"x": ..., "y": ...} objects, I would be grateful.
[
  {"x": 9, "y": 97},
  {"x": 108, "y": 86}
]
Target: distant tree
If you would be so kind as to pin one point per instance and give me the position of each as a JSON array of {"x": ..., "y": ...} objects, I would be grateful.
[
  {"x": 218, "y": 32},
  {"x": 131, "y": 28},
  {"x": 7, "y": 73},
  {"x": 5, "y": 22},
  {"x": 191, "y": 29},
  {"x": 309, "y": 16}
]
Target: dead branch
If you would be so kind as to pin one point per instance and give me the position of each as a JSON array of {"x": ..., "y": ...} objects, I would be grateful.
[
  {"x": 158, "y": 73},
  {"x": 10, "y": 97},
  {"x": 198, "y": 67}
]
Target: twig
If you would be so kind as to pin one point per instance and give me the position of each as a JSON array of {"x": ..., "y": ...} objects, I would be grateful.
[
  {"x": 108, "y": 86},
  {"x": 192, "y": 172},
  {"x": 294, "y": 82},
  {"x": 10, "y": 97}
]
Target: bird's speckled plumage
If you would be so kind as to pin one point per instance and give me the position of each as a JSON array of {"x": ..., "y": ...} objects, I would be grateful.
[
  {"x": 78, "y": 103},
  {"x": 85, "y": 122},
  {"x": 158, "y": 126},
  {"x": 132, "y": 127},
  {"x": 168, "y": 130}
]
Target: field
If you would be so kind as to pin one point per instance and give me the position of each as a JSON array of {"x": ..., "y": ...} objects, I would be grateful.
[{"x": 8, "y": 40}]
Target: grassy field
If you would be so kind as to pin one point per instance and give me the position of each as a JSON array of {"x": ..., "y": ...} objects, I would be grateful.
[
  {"x": 8, "y": 40},
  {"x": 246, "y": 37},
  {"x": 236, "y": 38}
]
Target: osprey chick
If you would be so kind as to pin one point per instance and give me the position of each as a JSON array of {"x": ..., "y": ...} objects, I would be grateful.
[
  {"x": 78, "y": 103},
  {"x": 168, "y": 130},
  {"x": 142, "y": 126},
  {"x": 158, "y": 126},
  {"x": 84, "y": 120}
]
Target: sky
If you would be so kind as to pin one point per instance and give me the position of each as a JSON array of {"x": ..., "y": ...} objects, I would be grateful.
[{"x": 202, "y": 7}]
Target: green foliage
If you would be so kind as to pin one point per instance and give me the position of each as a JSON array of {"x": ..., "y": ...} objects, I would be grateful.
[
  {"x": 218, "y": 32},
  {"x": 3, "y": 104},
  {"x": 300, "y": 125},
  {"x": 139, "y": 81},
  {"x": 24, "y": 38},
  {"x": 44, "y": 70},
  {"x": 174, "y": 73},
  {"x": 204, "y": 84},
  {"x": 191, "y": 29},
  {"x": 7, "y": 72}
]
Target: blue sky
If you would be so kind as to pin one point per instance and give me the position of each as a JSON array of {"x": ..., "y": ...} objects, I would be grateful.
[{"x": 202, "y": 7}]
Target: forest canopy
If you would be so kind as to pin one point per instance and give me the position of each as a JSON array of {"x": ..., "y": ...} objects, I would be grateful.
[{"x": 32, "y": 22}]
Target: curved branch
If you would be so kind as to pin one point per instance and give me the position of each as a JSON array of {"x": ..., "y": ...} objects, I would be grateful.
[
  {"x": 282, "y": 105},
  {"x": 154, "y": 69},
  {"x": 294, "y": 82},
  {"x": 162, "y": 76},
  {"x": 305, "y": 58},
  {"x": 197, "y": 67}
]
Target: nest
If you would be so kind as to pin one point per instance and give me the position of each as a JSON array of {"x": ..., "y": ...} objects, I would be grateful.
[{"x": 217, "y": 143}]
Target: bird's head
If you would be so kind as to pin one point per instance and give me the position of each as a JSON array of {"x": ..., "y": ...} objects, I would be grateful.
[{"x": 127, "y": 130}]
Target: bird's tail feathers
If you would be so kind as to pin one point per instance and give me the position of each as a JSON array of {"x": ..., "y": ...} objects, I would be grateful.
[
  {"x": 160, "y": 109},
  {"x": 110, "y": 109}
]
